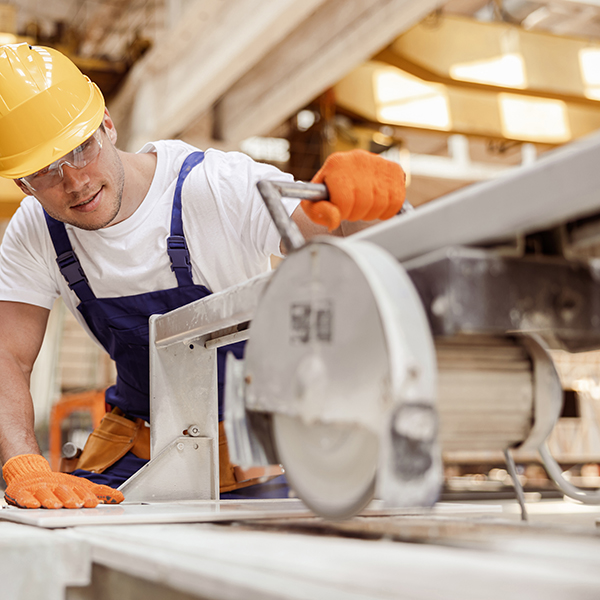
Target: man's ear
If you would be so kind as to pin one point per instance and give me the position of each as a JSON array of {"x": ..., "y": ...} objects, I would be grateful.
[{"x": 109, "y": 127}]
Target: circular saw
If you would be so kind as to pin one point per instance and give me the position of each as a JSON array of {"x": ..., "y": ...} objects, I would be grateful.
[{"x": 341, "y": 359}]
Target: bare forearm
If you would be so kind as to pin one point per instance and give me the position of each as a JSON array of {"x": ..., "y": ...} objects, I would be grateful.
[
  {"x": 16, "y": 411},
  {"x": 22, "y": 328}
]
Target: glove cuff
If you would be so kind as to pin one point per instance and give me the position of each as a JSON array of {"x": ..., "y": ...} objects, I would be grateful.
[{"x": 24, "y": 464}]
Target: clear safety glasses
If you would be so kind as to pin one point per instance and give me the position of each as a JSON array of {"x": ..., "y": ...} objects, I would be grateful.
[{"x": 52, "y": 175}]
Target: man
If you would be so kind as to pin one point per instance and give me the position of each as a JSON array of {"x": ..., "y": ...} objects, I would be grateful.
[{"x": 120, "y": 237}]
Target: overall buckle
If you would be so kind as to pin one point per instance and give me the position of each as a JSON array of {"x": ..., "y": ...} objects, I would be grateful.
[
  {"x": 71, "y": 270},
  {"x": 178, "y": 253}
]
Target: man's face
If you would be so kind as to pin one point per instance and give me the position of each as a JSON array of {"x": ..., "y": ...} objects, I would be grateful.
[{"x": 89, "y": 197}]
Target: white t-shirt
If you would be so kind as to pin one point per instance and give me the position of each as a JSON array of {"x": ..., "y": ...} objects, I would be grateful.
[{"x": 228, "y": 230}]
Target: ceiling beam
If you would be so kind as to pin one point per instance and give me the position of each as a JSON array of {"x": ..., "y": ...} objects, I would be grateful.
[
  {"x": 258, "y": 61},
  {"x": 187, "y": 71},
  {"x": 338, "y": 37}
]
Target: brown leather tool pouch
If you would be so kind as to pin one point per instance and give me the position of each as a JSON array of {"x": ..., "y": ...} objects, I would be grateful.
[
  {"x": 112, "y": 439},
  {"x": 233, "y": 477}
]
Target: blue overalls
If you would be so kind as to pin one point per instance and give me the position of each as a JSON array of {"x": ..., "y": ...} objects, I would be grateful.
[{"x": 121, "y": 326}]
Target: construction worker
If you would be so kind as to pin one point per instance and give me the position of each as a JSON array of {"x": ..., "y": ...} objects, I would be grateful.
[{"x": 120, "y": 237}]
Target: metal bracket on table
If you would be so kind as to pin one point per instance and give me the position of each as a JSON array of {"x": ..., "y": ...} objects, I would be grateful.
[
  {"x": 184, "y": 462},
  {"x": 184, "y": 470}
]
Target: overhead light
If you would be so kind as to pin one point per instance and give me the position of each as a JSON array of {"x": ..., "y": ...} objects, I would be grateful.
[
  {"x": 589, "y": 62},
  {"x": 507, "y": 70},
  {"x": 536, "y": 119},
  {"x": 305, "y": 119},
  {"x": 407, "y": 100}
]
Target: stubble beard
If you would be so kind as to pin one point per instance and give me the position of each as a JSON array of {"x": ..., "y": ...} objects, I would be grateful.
[{"x": 119, "y": 186}]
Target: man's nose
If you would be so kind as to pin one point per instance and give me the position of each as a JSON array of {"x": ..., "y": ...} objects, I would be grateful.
[{"x": 73, "y": 179}]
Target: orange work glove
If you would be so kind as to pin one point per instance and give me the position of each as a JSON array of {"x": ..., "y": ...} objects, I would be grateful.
[
  {"x": 32, "y": 484},
  {"x": 362, "y": 187}
]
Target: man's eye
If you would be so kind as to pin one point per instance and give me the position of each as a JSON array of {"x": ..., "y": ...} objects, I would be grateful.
[
  {"x": 41, "y": 172},
  {"x": 83, "y": 147}
]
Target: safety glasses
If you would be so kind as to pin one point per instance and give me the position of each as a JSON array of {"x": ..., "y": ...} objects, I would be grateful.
[{"x": 78, "y": 158}]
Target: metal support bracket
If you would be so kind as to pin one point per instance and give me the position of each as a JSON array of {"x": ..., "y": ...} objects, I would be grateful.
[{"x": 182, "y": 471}]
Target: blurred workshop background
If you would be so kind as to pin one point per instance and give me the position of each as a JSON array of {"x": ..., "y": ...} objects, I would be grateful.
[{"x": 457, "y": 92}]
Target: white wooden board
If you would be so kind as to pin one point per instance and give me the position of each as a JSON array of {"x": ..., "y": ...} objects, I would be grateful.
[{"x": 200, "y": 511}]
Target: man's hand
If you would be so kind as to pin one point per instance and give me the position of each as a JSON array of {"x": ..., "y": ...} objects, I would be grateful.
[
  {"x": 32, "y": 484},
  {"x": 362, "y": 187}
]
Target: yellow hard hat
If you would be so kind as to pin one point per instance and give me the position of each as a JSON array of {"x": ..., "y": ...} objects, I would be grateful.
[{"x": 47, "y": 108}]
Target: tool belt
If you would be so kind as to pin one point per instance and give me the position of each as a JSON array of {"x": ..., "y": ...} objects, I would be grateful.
[
  {"x": 117, "y": 435},
  {"x": 113, "y": 439}
]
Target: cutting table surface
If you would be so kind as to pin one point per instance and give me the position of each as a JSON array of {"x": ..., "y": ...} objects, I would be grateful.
[
  {"x": 201, "y": 511},
  {"x": 474, "y": 550}
]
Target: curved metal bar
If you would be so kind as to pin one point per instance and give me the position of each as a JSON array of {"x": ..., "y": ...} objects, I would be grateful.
[
  {"x": 553, "y": 469},
  {"x": 548, "y": 402}
]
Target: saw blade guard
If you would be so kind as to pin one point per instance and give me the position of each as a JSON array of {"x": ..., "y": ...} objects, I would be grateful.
[{"x": 341, "y": 356}]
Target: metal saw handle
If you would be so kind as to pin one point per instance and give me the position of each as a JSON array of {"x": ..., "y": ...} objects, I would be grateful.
[{"x": 273, "y": 191}]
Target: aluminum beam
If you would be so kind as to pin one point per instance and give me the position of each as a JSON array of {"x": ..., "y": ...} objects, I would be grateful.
[{"x": 561, "y": 187}]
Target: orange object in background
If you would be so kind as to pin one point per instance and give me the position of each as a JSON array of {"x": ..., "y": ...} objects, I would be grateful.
[{"x": 91, "y": 401}]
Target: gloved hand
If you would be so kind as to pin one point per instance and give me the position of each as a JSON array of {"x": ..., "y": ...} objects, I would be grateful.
[
  {"x": 362, "y": 187},
  {"x": 32, "y": 484}
]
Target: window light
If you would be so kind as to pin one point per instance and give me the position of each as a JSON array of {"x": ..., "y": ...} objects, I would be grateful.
[
  {"x": 507, "y": 70},
  {"x": 535, "y": 119},
  {"x": 589, "y": 62},
  {"x": 407, "y": 100}
]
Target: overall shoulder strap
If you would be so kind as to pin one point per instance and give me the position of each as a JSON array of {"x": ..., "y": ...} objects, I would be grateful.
[
  {"x": 176, "y": 244},
  {"x": 67, "y": 260}
]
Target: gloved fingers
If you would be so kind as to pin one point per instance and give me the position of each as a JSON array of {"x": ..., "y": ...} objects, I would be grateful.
[
  {"x": 22, "y": 499},
  {"x": 342, "y": 196},
  {"x": 395, "y": 202},
  {"x": 336, "y": 175},
  {"x": 108, "y": 495},
  {"x": 378, "y": 206},
  {"x": 103, "y": 493},
  {"x": 322, "y": 213},
  {"x": 46, "y": 497},
  {"x": 364, "y": 197},
  {"x": 395, "y": 183},
  {"x": 85, "y": 495},
  {"x": 362, "y": 186},
  {"x": 68, "y": 496}
]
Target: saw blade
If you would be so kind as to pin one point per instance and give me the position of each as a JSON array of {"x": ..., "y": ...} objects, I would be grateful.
[{"x": 331, "y": 466}]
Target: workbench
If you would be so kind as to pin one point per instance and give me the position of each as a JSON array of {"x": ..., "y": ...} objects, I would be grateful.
[{"x": 277, "y": 549}]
